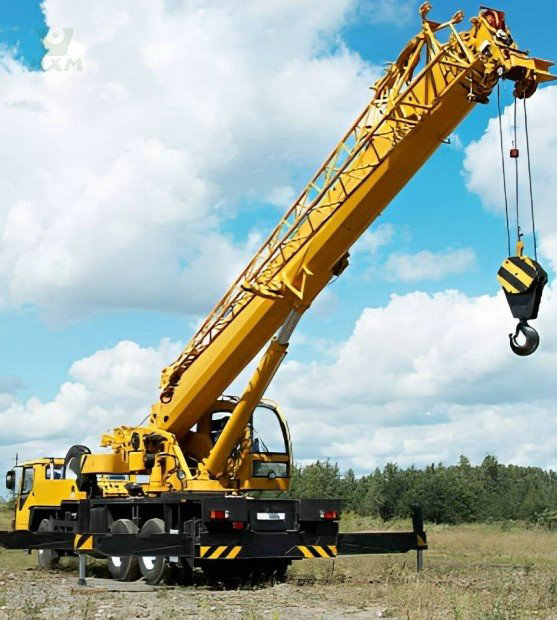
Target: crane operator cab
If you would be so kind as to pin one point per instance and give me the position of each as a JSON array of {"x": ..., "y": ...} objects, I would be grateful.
[{"x": 263, "y": 452}]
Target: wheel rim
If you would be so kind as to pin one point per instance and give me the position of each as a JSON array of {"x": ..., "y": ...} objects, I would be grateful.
[
  {"x": 116, "y": 560},
  {"x": 149, "y": 562}
]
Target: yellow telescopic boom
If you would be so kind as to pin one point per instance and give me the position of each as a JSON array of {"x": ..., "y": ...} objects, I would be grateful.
[{"x": 420, "y": 100}]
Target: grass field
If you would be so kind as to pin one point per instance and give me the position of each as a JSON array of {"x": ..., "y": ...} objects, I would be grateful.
[{"x": 483, "y": 572}]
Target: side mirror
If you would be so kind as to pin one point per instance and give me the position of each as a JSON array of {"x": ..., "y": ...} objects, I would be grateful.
[{"x": 10, "y": 480}]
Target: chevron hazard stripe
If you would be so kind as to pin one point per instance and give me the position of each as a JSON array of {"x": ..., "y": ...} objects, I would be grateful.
[
  {"x": 83, "y": 542},
  {"x": 516, "y": 274},
  {"x": 219, "y": 552},
  {"x": 317, "y": 551}
]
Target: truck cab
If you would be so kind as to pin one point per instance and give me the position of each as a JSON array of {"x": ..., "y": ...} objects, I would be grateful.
[{"x": 40, "y": 486}]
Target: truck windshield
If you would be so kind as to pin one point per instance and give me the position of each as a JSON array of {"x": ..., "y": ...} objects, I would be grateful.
[{"x": 27, "y": 481}]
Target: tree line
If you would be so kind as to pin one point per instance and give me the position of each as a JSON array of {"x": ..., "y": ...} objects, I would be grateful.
[{"x": 461, "y": 493}]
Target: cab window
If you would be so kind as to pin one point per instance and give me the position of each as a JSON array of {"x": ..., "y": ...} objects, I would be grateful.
[
  {"x": 267, "y": 434},
  {"x": 269, "y": 444},
  {"x": 27, "y": 480},
  {"x": 53, "y": 472}
]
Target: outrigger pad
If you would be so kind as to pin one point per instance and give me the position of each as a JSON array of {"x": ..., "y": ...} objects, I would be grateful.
[{"x": 523, "y": 280}]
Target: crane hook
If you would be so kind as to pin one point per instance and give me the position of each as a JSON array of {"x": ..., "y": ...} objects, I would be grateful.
[{"x": 531, "y": 335}]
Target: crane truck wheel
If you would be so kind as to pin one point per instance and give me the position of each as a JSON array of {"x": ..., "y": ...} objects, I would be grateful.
[
  {"x": 47, "y": 558},
  {"x": 124, "y": 568},
  {"x": 153, "y": 568}
]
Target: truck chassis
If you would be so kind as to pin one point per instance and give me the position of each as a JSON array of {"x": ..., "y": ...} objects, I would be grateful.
[{"x": 222, "y": 534}]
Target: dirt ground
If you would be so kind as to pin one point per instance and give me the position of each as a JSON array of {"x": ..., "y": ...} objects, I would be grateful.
[{"x": 483, "y": 572}]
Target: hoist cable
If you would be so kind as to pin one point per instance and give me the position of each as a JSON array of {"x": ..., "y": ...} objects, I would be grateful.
[
  {"x": 503, "y": 168},
  {"x": 141, "y": 423},
  {"x": 530, "y": 180},
  {"x": 515, "y": 145}
]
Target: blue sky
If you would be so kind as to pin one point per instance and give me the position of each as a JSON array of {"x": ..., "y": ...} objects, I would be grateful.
[{"x": 434, "y": 213}]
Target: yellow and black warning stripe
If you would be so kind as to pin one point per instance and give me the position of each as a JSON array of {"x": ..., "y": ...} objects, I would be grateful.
[
  {"x": 318, "y": 551},
  {"x": 83, "y": 542},
  {"x": 219, "y": 552},
  {"x": 516, "y": 274}
]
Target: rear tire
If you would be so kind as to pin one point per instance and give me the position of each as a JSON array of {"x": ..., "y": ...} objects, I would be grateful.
[
  {"x": 47, "y": 558},
  {"x": 153, "y": 568},
  {"x": 124, "y": 568}
]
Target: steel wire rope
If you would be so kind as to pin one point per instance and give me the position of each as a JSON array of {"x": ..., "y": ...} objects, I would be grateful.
[
  {"x": 503, "y": 169},
  {"x": 516, "y": 184},
  {"x": 530, "y": 180}
]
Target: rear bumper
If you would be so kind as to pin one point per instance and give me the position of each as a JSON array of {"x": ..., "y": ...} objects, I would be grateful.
[{"x": 261, "y": 545}]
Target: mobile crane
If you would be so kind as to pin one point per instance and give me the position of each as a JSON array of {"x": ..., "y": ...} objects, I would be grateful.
[{"x": 179, "y": 489}]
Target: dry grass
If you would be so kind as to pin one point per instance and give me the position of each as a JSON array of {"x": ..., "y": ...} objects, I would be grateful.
[
  {"x": 6, "y": 516},
  {"x": 473, "y": 572}
]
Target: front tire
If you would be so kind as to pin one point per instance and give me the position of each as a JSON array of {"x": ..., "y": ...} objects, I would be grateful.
[
  {"x": 124, "y": 568},
  {"x": 153, "y": 568},
  {"x": 47, "y": 558}
]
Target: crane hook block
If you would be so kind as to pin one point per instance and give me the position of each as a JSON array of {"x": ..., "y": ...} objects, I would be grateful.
[
  {"x": 532, "y": 339},
  {"x": 523, "y": 280}
]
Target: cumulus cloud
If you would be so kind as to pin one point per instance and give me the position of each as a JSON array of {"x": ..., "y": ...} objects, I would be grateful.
[
  {"x": 423, "y": 379},
  {"x": 484, "y": 176},
  {"x": 374, "y": 239},
  {"x": 281, "y": 196},
  {"x": 111, "y": 387},
  {"x": 118, "y": 178},
  {"x": 426, "y": 265}
]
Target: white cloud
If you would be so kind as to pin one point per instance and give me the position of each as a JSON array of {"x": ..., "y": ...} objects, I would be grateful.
[
  {"x": 455, "y": 143},
  {"x": 482, "y": 165},
  {"x": 424, "y": 379},
  {"x": 117, "y": 178},
  {"x": 373, "y": 239},
  {"x": 112, "y": 387},
  {"x": 281, "y": 196},
  {"x": 426, "y": 265}
]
